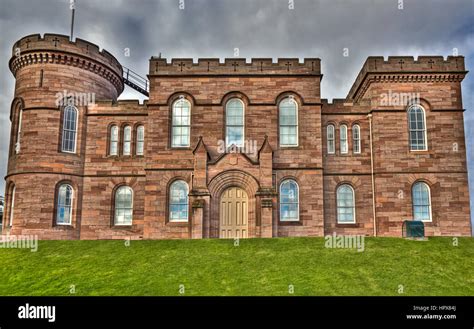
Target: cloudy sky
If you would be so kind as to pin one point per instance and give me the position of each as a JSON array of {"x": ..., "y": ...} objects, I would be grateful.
[{"x": 258, "y": 28}]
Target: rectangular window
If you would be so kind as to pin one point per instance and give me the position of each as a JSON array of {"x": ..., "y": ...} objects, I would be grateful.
[
  {"x": 343, "y": 137},
  {"x": 140, "y": 140},
  {"x": 330, "y": 137}
]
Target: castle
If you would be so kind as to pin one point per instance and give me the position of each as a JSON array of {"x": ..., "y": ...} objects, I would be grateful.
[{"x": 231, "y": 149}]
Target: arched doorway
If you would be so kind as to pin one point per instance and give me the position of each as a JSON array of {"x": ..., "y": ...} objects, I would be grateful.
[{"x": 233, "y": 214}]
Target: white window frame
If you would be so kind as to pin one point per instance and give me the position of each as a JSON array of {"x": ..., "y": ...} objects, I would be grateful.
[
  {"x": 356, "y": 144},
  {"x": 173, "y": 125},
  {"x": 76, "y": 111},
  {"x": 243, "y": 122},
  {"x": 297, "y": 201},
  {"x": 429, "y": 200},
  {"x": 140, "y": 141},
  {"x": 18, "y": 135},
  {"x": 331, "y": 150},
  {"x": 343, "y": 141},
  {"x": 289, "y": 99},
  {"x": 353, "y": 204},
  {"x": 12, "y": 206},
  {"x": 180, "y": 220},
  {"x": 115, "y": 205},
  {"x": 127, "y": 140},
  {"x": 114, "y": 140},
  {"x": 70, "y": 208},
  {"x": 410, "y": 130}
]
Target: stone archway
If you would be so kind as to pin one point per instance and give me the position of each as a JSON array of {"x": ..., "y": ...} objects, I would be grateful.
[{"x": 217, "y": 186}]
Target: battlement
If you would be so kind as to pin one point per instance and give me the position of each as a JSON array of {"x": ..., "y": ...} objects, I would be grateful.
[
  {"x": 57, "y": 48},
  {"x": 406, "y": 65},
  {"x": 234, "y": 66},
  {"x": 59, "y": 42}
]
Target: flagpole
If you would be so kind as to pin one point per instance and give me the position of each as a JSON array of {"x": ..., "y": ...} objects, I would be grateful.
[{"x": 73, "y": 8}]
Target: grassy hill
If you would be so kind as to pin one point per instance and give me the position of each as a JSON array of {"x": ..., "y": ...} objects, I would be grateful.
[{"x": 303, "y": 266}]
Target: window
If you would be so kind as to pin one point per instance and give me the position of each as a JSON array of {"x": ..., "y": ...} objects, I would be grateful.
[
  {"x": 18, "y": 136},
  {"x": 114, "y": 139},
  {"x": 234, "y": 123},
  {"x": 12, "y": 206},
  {"x": 123, "y": 206},
  {"x": 345, "y": 204},
  {"x": 69, "y": 129},
  {"x": 181, "y": 123},
  {"x": 330, "y": 136},
  {"x": 343, "y": 137},
  {"x": 140, "y": 140},
  {"x": 421, "y": 197},
  {"x": 127, "y": 140},
  {"x": 178, "y": 201},
  {"x": 417, "y": 127},
  {"x": 288, "y": 122},
  {"x": 64, "y": 205},
  {"x": 289, "y": 201},
  {"x": 356, "y": 138}
]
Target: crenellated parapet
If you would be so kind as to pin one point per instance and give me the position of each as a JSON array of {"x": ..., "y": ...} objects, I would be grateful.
[
  {"x": 407, "y": 69},
  {"x": 234, "y": 66},
  {"x": 58, "y": 49}
]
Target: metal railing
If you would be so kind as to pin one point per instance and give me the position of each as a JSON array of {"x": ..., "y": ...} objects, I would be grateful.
[{"x": 137, "y": 82}]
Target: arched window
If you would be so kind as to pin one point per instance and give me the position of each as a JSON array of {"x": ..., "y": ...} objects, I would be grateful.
[
  {"x": 123, "y": 206},
  {"x": 234, "y": 123},
  {"x": 356, "y": 138},
  {"x": 69, "y": 129},
  {"x": 178, "y": 201},
  {"x": 345, "y": 204},
  {"x": 181, "y": 123},
  {"x": 289, "y": 201},
  {"x": 330, "y": 137},
  {"x": 127, "y": 140},
  {"x": 18, "y": 135},
  {"x": 288, "y": 122},
  {"x": 64, "y": 205},
  {"x": 421, "y": 197},
  {"x": 343, "y": 138},
  {"x": 114, "y": 140},
  {"x": 140, "y": 140},
  {"x": 12, "y": 206},
  {"x": 417, "y": 127}
]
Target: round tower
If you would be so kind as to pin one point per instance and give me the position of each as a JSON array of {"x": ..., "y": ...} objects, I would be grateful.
[{"x": 56, "y": 81}]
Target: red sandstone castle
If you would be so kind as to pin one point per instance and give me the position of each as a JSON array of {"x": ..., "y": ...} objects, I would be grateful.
[{"x": 233, "y": 149}]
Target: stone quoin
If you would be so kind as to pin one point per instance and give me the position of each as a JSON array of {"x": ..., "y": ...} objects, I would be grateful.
[{"x": 113, "y": 169}]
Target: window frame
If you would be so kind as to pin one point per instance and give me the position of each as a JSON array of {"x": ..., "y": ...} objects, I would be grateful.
[
  {"x": 333, "y": 139},
  {"x": 227, "y": 126},
  {"x": 345, "y": 140},
  {"x": 112, "y": 141},
  {"x": 430, "y": 205},
  {"x": 126, "y": 141},
  {"x": 170, "y": 204},
  {"x": 181, "y": 99},
  {"x": 280, "y": 125},
  {"x": 76, "y": 111},
  {"x": 115, "y": 205},
  {"x": 289, "y": 180},
  {"x": 354, "y": 218},
  {"x": 67, "y": 185},
  {"x": 416, "y": 130},
  {"x": 140, "y": 141},
  {"x": 12, "y": 207},
  {"x": 18, "y": 133},
  {"x": 356, "y": 141}
]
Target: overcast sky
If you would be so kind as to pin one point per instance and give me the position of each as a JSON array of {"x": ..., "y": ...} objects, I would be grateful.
[{"x": 266, "y": 28}]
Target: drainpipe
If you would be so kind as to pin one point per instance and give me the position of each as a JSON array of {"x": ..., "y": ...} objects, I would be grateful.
[{"x": 372, "y": 174}]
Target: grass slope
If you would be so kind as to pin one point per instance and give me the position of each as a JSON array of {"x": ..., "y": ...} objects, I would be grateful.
[{"x": 256, "y": 267}]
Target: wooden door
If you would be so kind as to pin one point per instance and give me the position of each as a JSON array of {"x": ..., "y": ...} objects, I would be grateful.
[{"x": 233, "y": 214}]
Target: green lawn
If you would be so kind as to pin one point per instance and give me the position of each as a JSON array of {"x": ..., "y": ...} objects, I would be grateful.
[{"x": 256, "y": 267}]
